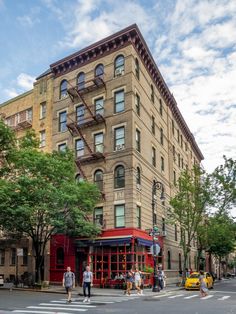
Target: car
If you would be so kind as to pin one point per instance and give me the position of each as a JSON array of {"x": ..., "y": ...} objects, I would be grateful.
[
  {"x": 192, "y": 282},
  {"x": 1, "y": 280}
]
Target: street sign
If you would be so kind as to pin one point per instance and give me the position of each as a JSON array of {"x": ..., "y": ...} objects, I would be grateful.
[
  {"x": 20, "y": 252},
  {"x": 155, "y": 249}
]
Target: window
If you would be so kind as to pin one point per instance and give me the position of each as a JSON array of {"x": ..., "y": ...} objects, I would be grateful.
[
  {"x": 2, "y": 257},
  {"x": 62, "y": 121},
  {"x": 162, "y": 164},
  {"x": 186, "y": 146},
  {"x": 138, "y": 211},
  {"x": 153, "y": 156},
  {"x": 181, "y": 141},
  {"x": 137, "y": 104},
  {"x": 80, "y": 111},
  {"x": 42, "y": 138},
  {"x": 79, "y": 178},
  {"x": 119, "y": 138},
  {"x": 62, "y": 147},
  {"x": 98, "y": 143},
  {"x": 79, "y": 148},
  {"x": 174, "y": 179},
  {"x": 119, "y": 177},
  {"x": 119, "y": 101},
  {"x": 13, "y": 257},
  {"x": 25, "y": 256},
  {"x": 60, "y": 257},
  {"x": 173, "y": 149},
  {"x": 153, "y": 125},
  {"x": 119, "y": 65},
  {"x": 29, "y": 114},
  {"x": 137, "y": 68},
  {"x": 138, "y": 140},
  {"x": 180, "y": 262},
  {"x": 138, "y": 176},
  {"x": 99, "y": 106},
  {"x": 98, "y": 216},
  {"x": 161, "y": 136},
  {"x": 182, "y": 163},
  {"x": 43, "y": 110},
  {"x": 176, "y": 233},
  {"x": 119, "y": 216},
  {"x": 173, "y": 127},
  {"x": 163, "y": 224},
  {"x": 152, "y": 93},
  {"x": 81, "y": 80},
  {"x": 178, "y": 136},
  {"x": 98, "y": 179},
  {"x": 161, "y": 107},
  {"x": 63, "y": 89},
  {"x": 168, "y": 260},
  {"x": 99, "y": 70},
  {"x": 179, "y": 159}
]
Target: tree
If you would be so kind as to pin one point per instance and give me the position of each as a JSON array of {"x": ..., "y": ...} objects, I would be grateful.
[
  {"x": 220, "y": 231},
  {"x": 189, "y": 206},
  {"x": 223, "y": 183},
  {"x": 7, "y": 146},
  {"x": 39, "y": 197}
]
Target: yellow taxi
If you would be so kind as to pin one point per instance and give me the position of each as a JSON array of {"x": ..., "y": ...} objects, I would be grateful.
[{"x": 192, "y": 282}]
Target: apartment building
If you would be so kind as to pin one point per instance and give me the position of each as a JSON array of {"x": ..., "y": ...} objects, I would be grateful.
[{"x": 113, "y": 107}]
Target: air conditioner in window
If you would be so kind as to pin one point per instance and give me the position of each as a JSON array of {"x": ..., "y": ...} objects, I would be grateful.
[
  {"x": 120, "y": 147},
  {"x": 119, "y": 72},
  {"x": 163, "y": 233}
]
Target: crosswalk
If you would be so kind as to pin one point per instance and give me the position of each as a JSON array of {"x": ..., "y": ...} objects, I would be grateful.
[
  {"x": 62, "y": 307},
  {"x": 183, "y": 296}
]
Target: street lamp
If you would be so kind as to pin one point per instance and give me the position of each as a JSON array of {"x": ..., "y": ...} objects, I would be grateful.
[{"x": 156, "y": 186}]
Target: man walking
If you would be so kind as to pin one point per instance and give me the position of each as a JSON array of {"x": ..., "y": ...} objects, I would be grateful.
[
  {"x": 87, "y": 283},
  {"x": 68, "y": 282}
]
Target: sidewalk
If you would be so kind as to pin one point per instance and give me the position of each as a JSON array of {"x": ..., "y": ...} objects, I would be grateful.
[{"x": 95, "y": 291}]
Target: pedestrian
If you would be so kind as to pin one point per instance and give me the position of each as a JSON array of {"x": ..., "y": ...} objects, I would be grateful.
[
  {"x": 203, "y": 285},
  {"x": 68, "y": 282},
  {"x": 137, "y": 280},
  {"x": 160, "y": 277},
  {"x": 129, "y": 282},
  {"x": 87, "y": 283}
]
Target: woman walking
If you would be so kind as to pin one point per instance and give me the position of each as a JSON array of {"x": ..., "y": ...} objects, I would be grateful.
[{"x": 203, "y": 285}]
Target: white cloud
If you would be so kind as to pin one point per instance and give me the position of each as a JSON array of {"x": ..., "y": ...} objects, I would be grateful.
[
  {"x": 30, "y": 19},
  {"x": 11, "y": 92},
  {"x": 25, "y": 81}
]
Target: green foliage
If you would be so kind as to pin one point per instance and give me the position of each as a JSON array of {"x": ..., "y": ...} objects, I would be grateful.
[
  {"x": 148, "y": 269},
  {"x": 39, "y": 195}
]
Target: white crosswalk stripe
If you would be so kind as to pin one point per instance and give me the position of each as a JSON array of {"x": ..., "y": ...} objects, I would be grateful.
[
  {"x": 176, "y": 296},
  {"x": 224, "y": 298},
  {"x": 37, "y": 312},
  {"x": 68, "y": 305},
  {"x": 56, "y": 308},
  {"x": 191, "y": 296},
  {"x": 207, "y": 297}
]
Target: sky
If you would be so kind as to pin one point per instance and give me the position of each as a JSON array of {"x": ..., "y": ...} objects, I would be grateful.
[{"x": 193, "y": 43}]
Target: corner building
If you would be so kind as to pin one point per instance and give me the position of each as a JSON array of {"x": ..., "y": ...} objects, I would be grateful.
[{"x": 112, "y": 106}]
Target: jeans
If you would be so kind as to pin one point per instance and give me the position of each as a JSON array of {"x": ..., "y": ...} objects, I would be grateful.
[{"x": 87, "y": 285}]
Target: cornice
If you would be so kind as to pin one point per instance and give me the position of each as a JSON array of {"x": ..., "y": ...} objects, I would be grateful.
[{"x": 123, "y": 38}]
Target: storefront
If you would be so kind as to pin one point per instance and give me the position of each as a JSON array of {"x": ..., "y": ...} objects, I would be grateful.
[{"x": 109, "y": 256}]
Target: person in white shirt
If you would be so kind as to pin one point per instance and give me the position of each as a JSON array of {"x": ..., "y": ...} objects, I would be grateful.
[
  {"x": 137, "y": 280},
  {"x": 87, "y": 283}
]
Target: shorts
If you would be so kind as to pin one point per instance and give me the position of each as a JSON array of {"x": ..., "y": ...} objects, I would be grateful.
[{"x": 68, "y": 289}]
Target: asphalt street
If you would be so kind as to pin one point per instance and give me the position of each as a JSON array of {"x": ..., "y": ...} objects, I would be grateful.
[{"x": 221, "y": 300}]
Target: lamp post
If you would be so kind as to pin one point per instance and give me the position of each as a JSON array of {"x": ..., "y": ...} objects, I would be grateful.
[{"x": 156, "y": 186}]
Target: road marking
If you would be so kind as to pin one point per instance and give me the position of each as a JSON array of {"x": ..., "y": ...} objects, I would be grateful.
[
  {"x": 228, "y": 292},
  {"x": 39, "y": 312},
  {"x": 224, "y": 298},
  {"x": 56, "y": 308},
  {"x": 68, "y": 304},
  {"x": 81, "y": 302},
  {"x": 207, "y": 297},
  {"x": 176, "y": 296},
  {"x": 162, "y": 295},
  {"x": 192, "y": 296}
]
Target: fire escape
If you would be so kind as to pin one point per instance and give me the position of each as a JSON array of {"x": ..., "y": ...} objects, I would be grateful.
[{"x": 90, "y": 119}]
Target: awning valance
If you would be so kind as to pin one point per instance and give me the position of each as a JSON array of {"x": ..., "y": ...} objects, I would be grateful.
[{"x": 144, "y": 242}]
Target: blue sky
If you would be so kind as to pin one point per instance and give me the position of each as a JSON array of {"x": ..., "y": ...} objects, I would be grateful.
[{"x": 193, "y": 43}]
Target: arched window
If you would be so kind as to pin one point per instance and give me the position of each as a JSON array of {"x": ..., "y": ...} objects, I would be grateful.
[
  {"x": 60, "y": 258},
  {"x": 138, "y": 176},
  {"x": 119, "y": 177},
  {"x": 98, "y": 179},
  {"x": 99, "y": 70},
  {"x": 63, "y": 89},
  {"x": 137, "y": 68},
  {"x": 119, "y": 65},
  {"x": 79, "y": 178},
  {"x": 168, "y": 260},
  {"x": 80, "y": 80}
]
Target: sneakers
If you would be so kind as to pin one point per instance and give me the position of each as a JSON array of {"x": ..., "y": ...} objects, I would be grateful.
[
  {"x": 89, "y": 301},
  {"x": 85, "y": 300}
]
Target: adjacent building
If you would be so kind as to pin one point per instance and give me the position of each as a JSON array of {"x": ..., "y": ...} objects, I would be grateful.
[{"x": 110, "y": 104}]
